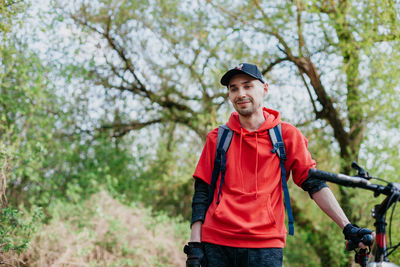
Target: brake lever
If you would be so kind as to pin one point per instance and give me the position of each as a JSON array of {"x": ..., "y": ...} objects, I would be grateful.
[{"x": 360, "y": 171}]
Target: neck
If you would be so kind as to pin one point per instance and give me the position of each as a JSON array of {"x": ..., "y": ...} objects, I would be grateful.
[{"x": 253, "y": 122}]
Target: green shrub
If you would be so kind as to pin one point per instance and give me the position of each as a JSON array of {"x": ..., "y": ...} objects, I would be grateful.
[{"x": 16, "y": 229}]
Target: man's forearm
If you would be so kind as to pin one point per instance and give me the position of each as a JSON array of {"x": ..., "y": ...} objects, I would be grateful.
[
  {"x": 195, "y": 235},
  {"x": 328, "y": 203},
  {"x": 199, "y": 209}
]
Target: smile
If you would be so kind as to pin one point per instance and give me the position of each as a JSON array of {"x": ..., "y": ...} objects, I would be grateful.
[{"x": 243, "y": 102}]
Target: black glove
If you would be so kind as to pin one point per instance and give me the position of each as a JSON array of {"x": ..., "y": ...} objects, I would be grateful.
[
  {"x": 354, "y": 235},
  {"x": 195, "y": 254}
]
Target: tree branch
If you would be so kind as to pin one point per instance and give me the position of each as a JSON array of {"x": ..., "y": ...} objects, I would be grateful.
[
  {"x": 299, "y": 28},
  {"x": 318, "y": 115},
  {"x": 385, "y": 38},
  {"x": 325, "y": 8},
  {"x": 328, "y": 111},
  {"x": 111, "y": 41},
  {"x": 120, "y": 129},
  {"x": 104, "y": 81},
  {"x": 273, "y": 64}
]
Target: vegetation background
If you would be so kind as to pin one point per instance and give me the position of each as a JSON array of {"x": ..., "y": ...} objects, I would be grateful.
[{"x": 105, "y": 105}]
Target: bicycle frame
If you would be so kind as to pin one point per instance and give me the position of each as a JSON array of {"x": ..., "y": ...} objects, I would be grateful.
[
  {"x": 379, "y": 250},
  {"x": 379, "y": 255}
]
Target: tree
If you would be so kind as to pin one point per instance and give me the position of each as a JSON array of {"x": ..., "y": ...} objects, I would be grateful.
[
  {"x": 360, "y": 38},
  {"x": 20, "y": 96},
  {"x": 163, "y": 60},
  {"x": 8, "y": 11},
  {"x": 167, "y": 72}
]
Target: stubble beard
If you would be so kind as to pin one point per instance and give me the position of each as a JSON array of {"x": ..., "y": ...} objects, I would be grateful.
[{"x": 246, "y": 112}]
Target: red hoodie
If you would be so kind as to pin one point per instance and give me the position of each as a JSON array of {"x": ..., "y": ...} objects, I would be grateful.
[{"x": 251, "y": 211}]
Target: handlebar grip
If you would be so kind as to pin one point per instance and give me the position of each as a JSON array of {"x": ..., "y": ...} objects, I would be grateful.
[
  {"x": 337, "y": 178},
  {"x": 323, "y": 175},
  {"x": 366, "y": 240}
]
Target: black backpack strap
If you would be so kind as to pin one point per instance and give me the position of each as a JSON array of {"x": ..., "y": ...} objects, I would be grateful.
[
  {"x": 223, "y": 142},
  {"x": 279, "y": 148}
]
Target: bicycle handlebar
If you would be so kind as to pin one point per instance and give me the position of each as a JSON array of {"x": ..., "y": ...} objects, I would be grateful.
[
  {"x": 338, "y": 178},
  {"x": 392, "y": 192},
  {"x": 354, "y": 181}
]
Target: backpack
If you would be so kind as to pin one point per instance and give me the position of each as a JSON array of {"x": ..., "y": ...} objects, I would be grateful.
[{"x": 223, "y": 142}]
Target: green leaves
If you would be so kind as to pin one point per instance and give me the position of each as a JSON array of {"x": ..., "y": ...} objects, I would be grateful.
[
  {"x": 16, "y": 229},
  {"x": 8, "y": 11},
  {"x": 72, "y": 121}
]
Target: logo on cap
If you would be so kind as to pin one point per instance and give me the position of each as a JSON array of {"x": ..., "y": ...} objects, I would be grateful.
[{"x": 239, "y": 67}]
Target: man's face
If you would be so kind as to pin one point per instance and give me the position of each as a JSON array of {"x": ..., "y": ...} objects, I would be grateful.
[{"x": 246, "y": 94}]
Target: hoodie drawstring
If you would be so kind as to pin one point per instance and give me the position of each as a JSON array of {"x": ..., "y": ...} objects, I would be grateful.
[
  {"x": 240, "y": 157},
  {"x": 256, "y": 165}
]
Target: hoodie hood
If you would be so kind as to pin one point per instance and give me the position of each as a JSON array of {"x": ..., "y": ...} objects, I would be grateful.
[
  {"x": 272, "y": 118},
  {"x": 250, "y": 140}
]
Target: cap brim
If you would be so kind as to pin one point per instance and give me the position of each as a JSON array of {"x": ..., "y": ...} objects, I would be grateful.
[{"x": 227, "y": 77}]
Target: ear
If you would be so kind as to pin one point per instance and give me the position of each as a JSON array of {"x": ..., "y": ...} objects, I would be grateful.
[{"x": 265, "y": 89}]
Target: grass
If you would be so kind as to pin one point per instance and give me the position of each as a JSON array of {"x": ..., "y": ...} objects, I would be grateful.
[{"x": 103, "y": 232}]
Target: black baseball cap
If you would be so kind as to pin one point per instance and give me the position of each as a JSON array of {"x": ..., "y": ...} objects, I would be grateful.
[{"x": 246, "y": 68}]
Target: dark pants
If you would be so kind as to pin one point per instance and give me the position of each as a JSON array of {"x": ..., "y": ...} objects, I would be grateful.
[{"x": 222, "y": 256}]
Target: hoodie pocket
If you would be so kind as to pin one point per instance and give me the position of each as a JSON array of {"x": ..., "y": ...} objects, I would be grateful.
[{"x": 245, "y": 214}]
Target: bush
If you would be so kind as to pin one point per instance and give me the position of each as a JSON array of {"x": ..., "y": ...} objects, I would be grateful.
[{"x": 16, "y": 231}]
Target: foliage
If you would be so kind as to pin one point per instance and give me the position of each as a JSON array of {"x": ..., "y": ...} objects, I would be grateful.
[
  {"x": 15, "y": 230},
  {"x": 163, "y": 183},
  {"x": 151, "y": 52},
  {"x": 28, "y": 115},
  {"x": 101, "y": 231},
  {"x": 8, "y": 11},
  {"x": 127, "y": 65},
  {"x": 167, "y": 83},
  {"x": 21, "y": 94}
]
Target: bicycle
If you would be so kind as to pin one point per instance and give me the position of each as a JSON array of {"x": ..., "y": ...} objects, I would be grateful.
[{"x": 378, "y": 255}]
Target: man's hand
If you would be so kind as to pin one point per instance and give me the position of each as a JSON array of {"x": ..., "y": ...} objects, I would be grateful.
[
  {"x": 357, "y": 237},
  {"x": 195, "y": 254}
]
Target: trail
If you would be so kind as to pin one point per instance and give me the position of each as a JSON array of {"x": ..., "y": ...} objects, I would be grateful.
[{"x": 104, "y": 232}]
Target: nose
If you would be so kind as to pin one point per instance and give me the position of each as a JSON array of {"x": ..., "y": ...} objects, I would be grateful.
[{"x": 241, "y": 92}]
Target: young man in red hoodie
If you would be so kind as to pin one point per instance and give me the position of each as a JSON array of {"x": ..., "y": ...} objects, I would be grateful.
[{"x": 245, "y": 227}]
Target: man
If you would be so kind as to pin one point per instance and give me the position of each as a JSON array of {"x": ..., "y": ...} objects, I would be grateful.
[{"x": 244, "y": 225}]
